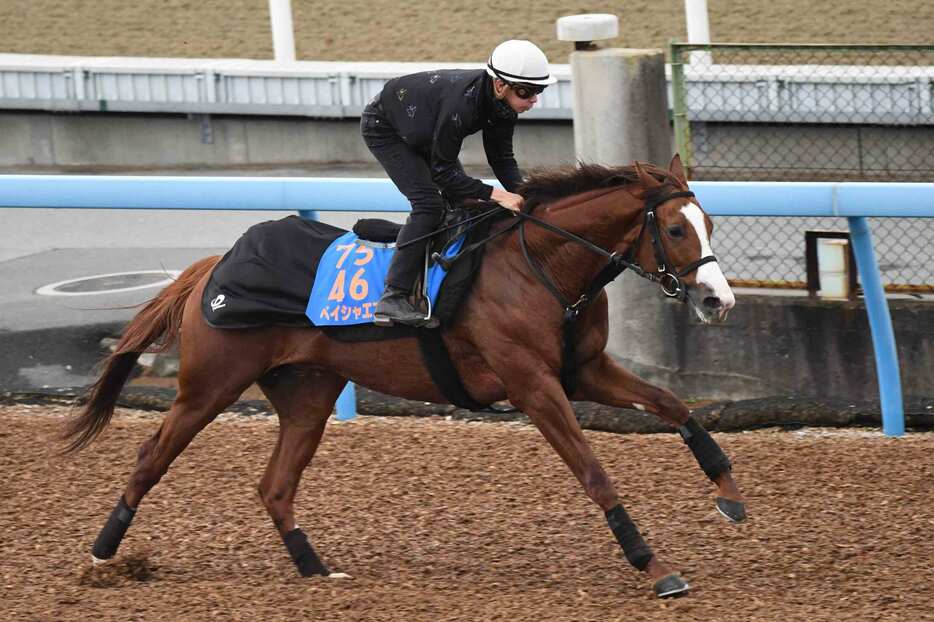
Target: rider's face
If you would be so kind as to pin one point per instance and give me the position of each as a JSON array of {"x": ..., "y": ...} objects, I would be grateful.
[
  {"x": 508, "y": 94},
  {"x": 517, "y": 103}
]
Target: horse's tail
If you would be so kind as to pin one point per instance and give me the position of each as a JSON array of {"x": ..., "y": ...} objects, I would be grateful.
[{"x": 160, "y": 319}]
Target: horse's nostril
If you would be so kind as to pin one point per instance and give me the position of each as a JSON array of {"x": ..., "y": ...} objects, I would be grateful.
[{"x": 712, "y": 302}]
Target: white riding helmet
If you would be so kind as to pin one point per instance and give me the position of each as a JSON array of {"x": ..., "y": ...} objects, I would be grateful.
[{"x": 522, "y": 61}]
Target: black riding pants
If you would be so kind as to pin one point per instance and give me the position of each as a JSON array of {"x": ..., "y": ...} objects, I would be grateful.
[{"x": 412, "y": 176}]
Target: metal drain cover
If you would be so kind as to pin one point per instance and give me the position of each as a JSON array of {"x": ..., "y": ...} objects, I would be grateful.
[{"x": 113, "y": 283}]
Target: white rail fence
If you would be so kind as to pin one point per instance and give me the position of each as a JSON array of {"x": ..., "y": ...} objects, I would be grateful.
[{"x": 340, "y": 90}]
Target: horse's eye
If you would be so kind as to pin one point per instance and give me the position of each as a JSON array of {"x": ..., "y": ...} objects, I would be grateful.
[{"x": 676, "y": 231}]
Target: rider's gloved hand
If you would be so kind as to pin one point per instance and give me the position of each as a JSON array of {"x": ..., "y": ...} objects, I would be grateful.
[{"x": 508, "y": 200}]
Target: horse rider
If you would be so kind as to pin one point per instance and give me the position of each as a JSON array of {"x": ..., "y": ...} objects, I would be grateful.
[{"x": 415, "y": 128}]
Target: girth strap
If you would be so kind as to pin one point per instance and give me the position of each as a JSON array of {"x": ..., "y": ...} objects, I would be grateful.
[
  {"x": 568, "y": 356},
  {"x": 613, "y": 268},
  {"x": 444, "y": 374}
]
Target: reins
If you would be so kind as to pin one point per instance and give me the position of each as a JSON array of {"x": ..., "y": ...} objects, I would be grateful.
[
  {"x": 666, "y": 275},
  {"x": 472, "y": 220},
  {"x": 616, "y": 264}
]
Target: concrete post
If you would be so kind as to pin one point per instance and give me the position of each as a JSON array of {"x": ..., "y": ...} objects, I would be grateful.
[
  {"x": 698, "y": 22},
  {"x": 621, "y": 115},
  {"x": 620, "y": 106},
  {"x": 283, "y": 37}
]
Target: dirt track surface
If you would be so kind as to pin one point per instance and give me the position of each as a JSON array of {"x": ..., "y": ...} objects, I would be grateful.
[
  {"x": 422, "y": 30},
  {"x": 440, "y": 520}
]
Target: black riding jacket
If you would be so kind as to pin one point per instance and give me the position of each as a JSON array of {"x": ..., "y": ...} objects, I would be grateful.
[{"x": 434, "y": 111}]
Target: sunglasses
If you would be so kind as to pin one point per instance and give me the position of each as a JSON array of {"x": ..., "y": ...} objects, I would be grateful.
[{"x": 526, "y": 91}]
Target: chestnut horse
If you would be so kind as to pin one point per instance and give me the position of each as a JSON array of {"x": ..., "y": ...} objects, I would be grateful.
[{"x": 506, "y": 343}]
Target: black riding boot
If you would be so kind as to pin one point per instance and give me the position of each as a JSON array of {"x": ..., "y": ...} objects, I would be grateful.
[{"x": 395, "y": 307}]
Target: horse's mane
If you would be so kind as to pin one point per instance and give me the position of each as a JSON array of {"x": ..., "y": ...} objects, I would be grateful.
[{"x": 546, "y": 185}]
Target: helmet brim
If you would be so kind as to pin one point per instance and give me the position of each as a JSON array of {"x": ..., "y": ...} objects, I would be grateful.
[
  {"x": 548, "y": 80},
  {"x": 538, "y": 81}
]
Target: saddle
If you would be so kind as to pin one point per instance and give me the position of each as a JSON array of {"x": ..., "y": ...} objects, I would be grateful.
[
  {"x": 377, "y": 230},
  {"x": 455, "y": 222},
  {"x": 268, "y": 276}
]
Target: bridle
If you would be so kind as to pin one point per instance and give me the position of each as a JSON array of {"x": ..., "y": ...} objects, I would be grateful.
[
  {"x": 666, "y": 274},
  {"x": 668, "y": 279}
]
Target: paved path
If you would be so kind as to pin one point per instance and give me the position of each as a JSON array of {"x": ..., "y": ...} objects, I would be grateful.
[
  {"x": 43, "y": 246},
  {"x": 51, "y": 340}
]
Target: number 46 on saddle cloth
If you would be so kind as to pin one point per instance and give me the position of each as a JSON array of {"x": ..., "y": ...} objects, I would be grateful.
[{"x": 351, "y": 277}]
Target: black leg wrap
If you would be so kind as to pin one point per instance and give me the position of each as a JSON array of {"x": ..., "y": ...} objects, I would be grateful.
[
  {"x": 305, "y": 558},
  {"x": 637, "y": 552},
  {"x": 709, "y": 455},
  {"x": 108, "y": 540}
]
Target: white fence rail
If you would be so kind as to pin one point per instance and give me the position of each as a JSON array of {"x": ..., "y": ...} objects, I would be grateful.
[{"x": 760, "y": 93}]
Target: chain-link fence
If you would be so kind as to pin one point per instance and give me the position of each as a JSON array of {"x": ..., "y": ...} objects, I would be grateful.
[
  {"x": 769, "y": 252},
  {"x": 808, "y": 113}
]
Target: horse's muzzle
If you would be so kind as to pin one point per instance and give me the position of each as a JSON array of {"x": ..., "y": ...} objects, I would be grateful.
[{"x": 710, "y": 308}]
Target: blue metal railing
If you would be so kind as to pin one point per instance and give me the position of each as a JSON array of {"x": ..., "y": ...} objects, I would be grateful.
[{"x": 854, "y": 201}]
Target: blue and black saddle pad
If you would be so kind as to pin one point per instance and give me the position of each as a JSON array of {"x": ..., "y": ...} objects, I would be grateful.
[
  {"x": 351, "y": 277},
  {"x": 298, "y": 272}
]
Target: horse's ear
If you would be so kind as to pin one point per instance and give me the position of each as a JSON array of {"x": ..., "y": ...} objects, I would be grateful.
[
  {"x": 676, "y": 170},
  {"x": 645, "y": 179}
]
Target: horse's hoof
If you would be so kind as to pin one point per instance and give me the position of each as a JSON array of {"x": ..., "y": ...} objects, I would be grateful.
[
  {"x": 672, "y": 585},
  {"x": 339, "y": 575},
  {"x": 96, "y": 561},
  {"x": 733, "y": 511}
]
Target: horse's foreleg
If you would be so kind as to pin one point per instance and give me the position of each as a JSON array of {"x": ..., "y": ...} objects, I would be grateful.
[
  {"x": 550, "y": 411},
  {"x": 303, "y": 398},
  {"x": 604, "y": 381}
]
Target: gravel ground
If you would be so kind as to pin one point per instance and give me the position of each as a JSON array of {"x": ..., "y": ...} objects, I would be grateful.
[{"x": 445, "y": 520}]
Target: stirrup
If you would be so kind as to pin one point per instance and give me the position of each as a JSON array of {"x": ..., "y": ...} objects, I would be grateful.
[
  {"x": 407, "y": 315},
  {"x": 382, "y": 320},
  {"x": 385, "y": 321}
]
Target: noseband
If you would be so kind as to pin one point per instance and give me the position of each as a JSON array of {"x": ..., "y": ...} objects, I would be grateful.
[
  {"x": 669, "y": 280},
  {"x": 666, "y": 275}
]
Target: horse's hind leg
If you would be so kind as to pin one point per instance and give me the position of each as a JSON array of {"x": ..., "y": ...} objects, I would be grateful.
[
  {"x": 303, "y": 397},
  {"x": 204, "y": 391},
  {"x": 604, "y": 381}
]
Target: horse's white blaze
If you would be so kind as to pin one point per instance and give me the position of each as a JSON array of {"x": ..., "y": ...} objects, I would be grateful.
[{"x": 709, "y": 274}]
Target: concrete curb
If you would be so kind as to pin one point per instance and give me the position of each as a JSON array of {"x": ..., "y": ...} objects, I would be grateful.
[
  {"x": 59, "y": 356},
  {"x": 784, "y": 412},
  {"x": 67, "y": 357}
]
